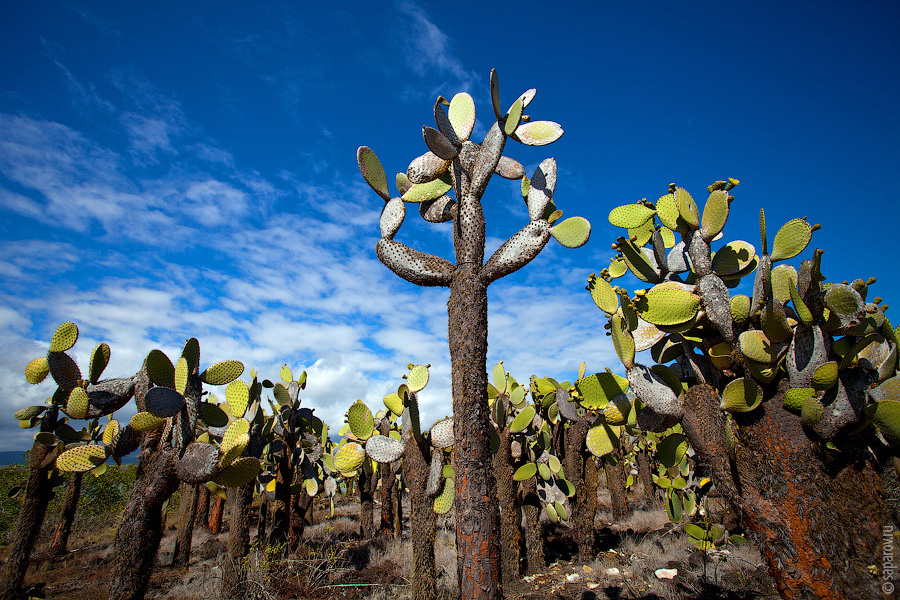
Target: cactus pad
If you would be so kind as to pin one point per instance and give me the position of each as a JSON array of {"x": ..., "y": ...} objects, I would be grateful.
[
  {"x": 461, "y": 113},
  {"x": 603, "y": 294},
  {"x": 63, "y": 369},
  {"x": 81, "y": 458},
  {"x": 181, "y": 375},
  {"x": 523, "y": 419},
  {"x": 394, "y": 404},
  {"x": 538, "y": 133},
  {"x": 240, "y": 472},
  {"x": 423, "y": 192},
  {"x": 238, "y": 396},
  {"x": 598, "y": 389},
  {"x": 525, "y": 472},
  {"x": 622, "y": 340},
  {"x": 783, "y": 278},
  {"x": 212, "y": 415},
  {"x": 844, "y": 300},
  {"x": 791, "y": 239},
  {"x": 444, "y": 501},
  {"x": 715, "y": 214},
  {"x": 741, "y": 395},
  {"x": 886, "y": 417},
  {"x": 392, "y": 216},
  {"x": 372, "y": 171},
  {"x": 111, "y": 432},
  {"x": 160, "y": 369},
  {"x": 99, "y": 360},
  {"x": 384, "y": 449},
  {"x": 78, "y": 404},
  {"x": 29, "y": 412},
  {"x": 794, "y": 397},
  {"x": 349, "y": 457},
  {"x": 574, "y": 232},
  {"x": 64, "y": 337},
  {"x": 222, "y": 372},
  {"x": 630, "y": 216},
  {"x": 672, "y": 449},
  {"x": 825, "y": 376},
  {"x": 666, "y": 305},
  {"x": 417, "y": 378},
  {"x": 145, "y": 421},
  {"x": 812, "y": 411},
  {"x": 733, "y": 258},
  {"x": 163, "y": 402},
  {"x": 233, "y": 445},
  {"x": 37, "y": 370},
  {"x": 601, "y": 439},
  {"x": 687, "y": 208},
  {"x": 360, "y": 420},
  {"x": 757, "y": 347},
  {"x": 442, "y": 434}
]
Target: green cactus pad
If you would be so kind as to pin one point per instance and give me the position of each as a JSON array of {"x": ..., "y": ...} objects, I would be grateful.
[
  {"x": 757, "y": 347},
  {"x": 643, "y": 234},
  {"x": 741, "y": 395},
  {"x": 444, "y": 501},
  {"x": 235, "y": 434},
  {"x": 111, "y": 432},
  {"x": 601, "y": 439},
  {"x": 163, "y": 402},
  {"x": 29, "y": 412},
  {"x": 794, "y": 397},
  {"x": 667, "y": 211},
  {"x": 630, "y": 216},
  {"x": 622, "y": 340},
  {"x": 78, "y": 404},
  {"x": 574, "y": 232},
  {"x": 667, "y": 305},
  {"x": 761, "y": 372},
  {"x": 773, "y": 321},
  {"x": 523, "y": 419},
  {"x": 37, "y": 370},
  {"x": 603, "y": 294},
  {"x": 844, "y": 300},
  {"x": 372, "y": 172},
  {"x": 63, "y": 369},
  {"x": 361, "y": 422},
  {"x": 239, "y": 473},
  {"x": 560, "y": 510},
  {"x": 812, "y": 411},
  {"x": 791, "y": 239},
  {"x": 687, "y": 208},
  {"x": 512, "y": 118},
  {"x": 394, "y": 404},
  {"x": 181, "y": 375},
  {"x": 740, "y": 308},
  {"x": 237, "y": 394},
  {"x": 403, "y": 184},
  {"x": 282, "y": 396},
  {"x": 64, "y": 337},
  {"x": 886, "y": 417},
  {"x": 191, "y": 353},
  {"x": 617, "y": 410},
  {"x": 144, "y": 421},
  {"x": 81, "y": 458},
  {"x": 417, "y": 378},
  {"x": 597, "y": 390},
  {"x": 233, "y": 446},
  {"x": 384, "y": 449},
  {"x": 498, "y": 373},
  {"x": 715, "y": 214},
  {"x": 222, "y": 372},
  {"x": 672, "y": 449},
  {"x": 825, "y": 376},
  {"x": 461, "y": 113},
  {"x": 99, "y": 360},
  {"x": 349, "y": 457},
  {"x": 783, "y": 278},
  {"x": 552, "y": 515},
  {"x": 638, "y": 263},
  {"x": 423, "y": 192},
  {"x": 733, "y": 258},
  {"x": 617, "y": 267},
  {"x": 160, "y": 369},
  {"x": 538, "y": 133},
  {"x": 525, "y": 472},
  {"x": 442, "y": 434},
  {"x": 212, "y": 415},
  {"x": 720, "y": 355}
]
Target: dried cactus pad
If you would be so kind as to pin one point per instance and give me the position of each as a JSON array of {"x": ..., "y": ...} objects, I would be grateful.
[
  {"x": 392, "y": 216},
  {"x": 64, "y": 337},
  {"x": 222, "y": 372},
  {"x": 81, "y": 458},
  {"x": 163, "y": 402},
  {"x": 442, "y": 433},
  {"x": 630, "y": 216},
  {"x": 384, "y": 449},
  {"x": 372, "y": 171},
  {"x": 37, "y": 370},
  {"x": 349, "y": 457},
  {"x": 741, "y": 395},
  {"x": 360, "y": 420},
  {"x": 240, "y": 472},
  {"x": 574, "y": 232},
  {"x": 417, "y": 378},
  {"x": 444, "y": 502}
]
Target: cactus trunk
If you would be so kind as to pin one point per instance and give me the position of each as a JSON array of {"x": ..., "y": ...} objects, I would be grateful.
[
  {"x": 140, "y": 531},
  {"x": 239, "y": 501},
  {"x": 582, "y": 509},
  {"x": 262, "y": 518},
  {"x": 181, "y": 555},
  {"x": 477, "y": 516},
  {"x": 367, "y": 483},
  {"x": 67, "y": 516},
  {"x": 202, "y": 506},
  {"x": 509, "y": 510},
  {"x": 534, "y": 540},
  {"x": 215, "y": 516},
  {"x": 587, "y": 511},
  {"x": 281, "y": 506},
  {"x": 616, "y": 479},
  {"x": 31, "y": 515},
  {"x": 422, "y": 517},
  {"x": 643, "y": 458}
]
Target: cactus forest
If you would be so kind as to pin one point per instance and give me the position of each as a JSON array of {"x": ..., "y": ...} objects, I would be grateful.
[{"x": 765, "y": 423}]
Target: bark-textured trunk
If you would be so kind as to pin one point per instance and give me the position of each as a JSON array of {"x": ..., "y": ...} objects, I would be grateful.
[
  {"x": 261, "y": 520},
  {"x": 239, "y": 501},
  {"x": 388, "y": 487},
  {"x": 67, "y": 516},
  {"x": 367, "y": 483},
  {"x": 140, "y": 531},
  {"x": 534, "y": 539},
  {"x": 616, "y": 478},
  {"x": 817, "y": 516},
  {"x": 300, "y": 507},
  {"x": 477, "y": 516},
  {"x": 643, "y": 459},
  {"x": 281, "y": 505},
  {"x": 202, "y": 506},
  {"x": 510, "y": 535},
  {"x": 31, "y": 515},
  {"x": 397, "y": 501},
  {"x": 181, "y": 555},
  {"x": 581, "y": 509},
  {"x": 215, "y": 516},
  {"x": 587, "y": 511},
  {"x": 422, "y": 517}
]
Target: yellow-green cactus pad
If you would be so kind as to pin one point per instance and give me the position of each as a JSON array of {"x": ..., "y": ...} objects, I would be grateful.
[
  {"x": 222, "y": 372},
  {"x": 667, "y": 211},
  {"x": 37, "y": 370},
  {"x": 616, "y": 411},
  {"x": 715, "y": 213},
  {"x": 844, "y": 300},
  {"x": 81, "y": 458},
  {"x": 669, "y": 377},
  {"x": 642, "y": 234},
  {"x": 523, "y": 419},
  {"x": 794, "y": 397},
  {"x": 825, "y": 376},
  {"x": 64, "y": 337},
  {"x": 617, "y": 267},
  {"x": 394, "y": 404},
  {"x": 525, "y": 472},
  {"x": 630, "y": 216},
  {"x": 886, "y": 417},
  {"x": 740, "y": 308},
  {"x": 47, "y": 438},
  {"x": 513, "y": 117},
  {"x": 720, "y": 355},
  {"x": 784, "y": 277},
  {"x": 212, "y": 415},
  {"x": 78, "y": 404},
  {"x": 667, "y": 305},
  {"x": 160, "y": 369},
  {"x": 373, "y": 172},
  {"x": 63, "y": 369},
  {"x": 461, "y": 113},
  {"x": 233, "y": 448},
  {"x": 282, "y": 396},
  {"x": 498, "y": 374},
  {"x": 595, "y": 391},
  {"x": 601, "y": 439},
  {"x": 360, "y": 420},
  {"x": 238, "y": 396},
  {"x": 622, "y": 340},
  {"x": 240, "y": 472},
  {"x": 286, "y": 374},
  {"x": 687, "y": 208},
  {"x": 163, "y": 402},
  {"x": 417, "y": 378},
  {"x": 99, "y": 360},
  {"x": 552, "y": 515},
  {"x": 741, "y": 395},
  {"x": 800, "y": 308},
  {"x": 444, "y": 501},
  {"x": 235, "y": 435},
  {"x": 733, "y": 258},
  {"x": 812, "y": 411},
  {"x": 349, "y": 457},
  {"x": 423, "y": 192},
  {"x": 29, "y": 412},
  {"x": 111, "y": 432},
  {"x": 191, "y": 353},
  {"x": 638, "y": 262},
  {"x": 574, "y": 232},
  {"x": 773, "y": 321},
  {"x": 384, "y": 449},
  {"x": 761, "y": 372},
  {"x": 560, "y": 510},
  {"x": 181, "y": 375},
  {"x": 538, "y": 133},
  {"x": 442, "y": 433},
  {"x": 672, "y": 449},
  {"x": 603, "y": 294},
  {"x": 757, "y": 347},
  {"x": 791, "y": 239}
]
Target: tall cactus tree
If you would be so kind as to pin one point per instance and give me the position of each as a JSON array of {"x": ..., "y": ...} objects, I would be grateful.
[{"x": 454, "y": 162}]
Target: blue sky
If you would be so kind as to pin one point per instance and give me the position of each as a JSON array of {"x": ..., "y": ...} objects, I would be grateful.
[{"x": 170, "y": 170}]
